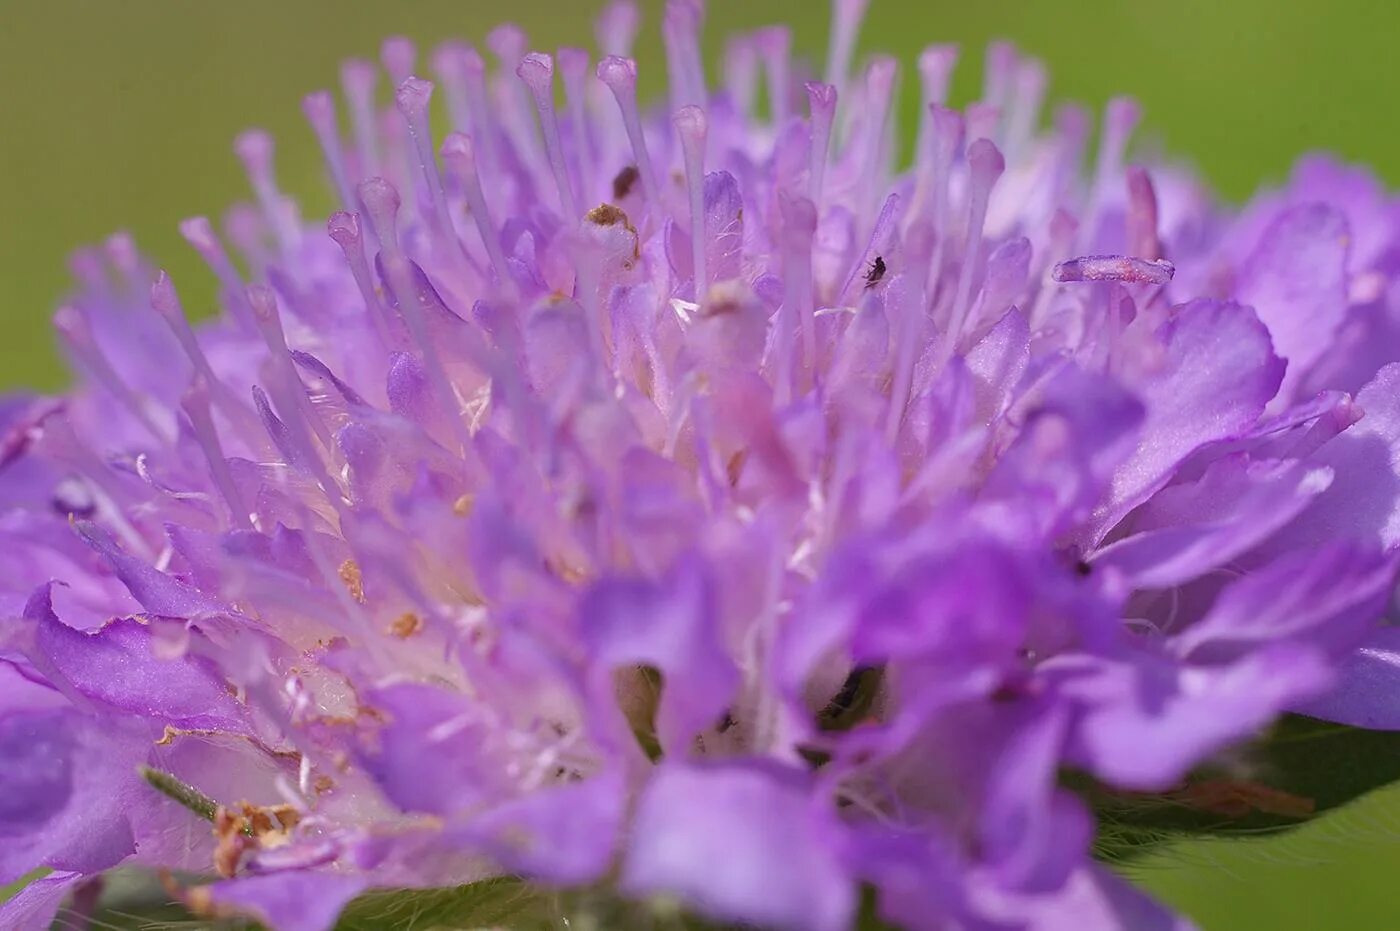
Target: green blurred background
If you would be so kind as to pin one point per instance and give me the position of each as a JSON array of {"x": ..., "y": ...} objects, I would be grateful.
[{"x": 119, "y": 115}]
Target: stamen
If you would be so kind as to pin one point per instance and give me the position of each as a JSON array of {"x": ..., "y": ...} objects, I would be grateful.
[
  {"x": 880, "y": 90},
  {"x": 483, "y": 118},
  {"x": 1127, "y": 269},
  {"x": 985, "y": 165},
  {"x": 1120, "y": 119},
  {"x": 411, "y": 302},
  {"x": 125, "y": 258},
  {"x": 799, "y": 225},
  {"x": 1071, "y": 135},
  {"x": 947, "y": 138},
  {"x": 588, "y": 260},
  {"x": 774, "y": 44},
  {"x": 999, "y": 73},
  {"x": 936, "y": 64},
  {"x": 291, "y": 452},
  {"x": 115, "y": 496},
  {"x": 741, "y": 72},
  {"x": 398, "y": 55},
  {"x": 398, "y": 162},
  {"x": 509, "y": 44},
  {"x": 620, "y": 75},
  {"x": 983, "y": 121},
  {"x": 904, "y": 310},
  {"x": 195, "y": 404},
  {"x": 344, "y": 229},
  {"x": 254, "y": 149},
  {"x": 412, "y": 99},
  {"x": 821, "y": 99},
  {"x": 1063, "y": 229},
  {"x": 680, "y": 30},
  {"x": 87, "y": 266},
  {"x": 381, "y": 200},
  {"x": 165, "y": 301},
  {"x": 1023, "y": 112},
  {"x": 245, "y": 227},
  {"x": 325, "y": 380},
  {"x": 573, "y": 65},
  {"x": 846, "y": 18},
  {"x": 82, "y": 345},
  {"x": 693, "y": 127},
  {"x": 537, "y": 71},
  {"x": 459, "y": 157},
  {"x": 319, "y": 108},
  {"x": 287, "y": 388},
  {"x": 1142, "y": 215},
  {"x": 412, "y": 294},
  {"x": 358, "y": 78},
  {"x": 617, "y": 27},
  {"x": 199, "y": 233},
  {"x": 449, "y": 64}
]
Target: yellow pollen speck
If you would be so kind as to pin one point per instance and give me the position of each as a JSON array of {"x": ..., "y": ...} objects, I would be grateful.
[
  {"x": 405, "y": 625},
  {"x": 463, "y": 505},
  {"x": 354, "y": 581},
  {"x": 570, "y": 574}
]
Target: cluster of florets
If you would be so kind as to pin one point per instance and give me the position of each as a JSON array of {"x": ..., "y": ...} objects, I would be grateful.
[{"x": 689, "y": 503}]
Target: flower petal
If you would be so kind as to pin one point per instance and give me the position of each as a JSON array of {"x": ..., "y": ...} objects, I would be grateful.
[
  {"x": 1296, "y": 281},
  {"x": 740, "y": 842},
  {"x": 1367, "y": 693},
  {"x": 291, "y": 901},
  {"x": 1218, "y": 373}
]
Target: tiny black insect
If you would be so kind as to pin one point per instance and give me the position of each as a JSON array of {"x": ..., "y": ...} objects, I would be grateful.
[{"x": 876, "y": 272}]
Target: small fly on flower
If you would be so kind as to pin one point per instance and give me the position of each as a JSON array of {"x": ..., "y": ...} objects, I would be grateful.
[{"x": 875, "y": 273}]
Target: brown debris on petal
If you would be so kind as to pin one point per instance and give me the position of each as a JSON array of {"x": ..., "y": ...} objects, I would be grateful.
[
  {"x": 624, "y": 182},
  {"x": 353, "y": 579},
  {"x": 722, "y": 297},
  {"x": 246, "y": 827},
  {"x": 609, "y": 215},
  {"x": 232, "y": 840},
  {"x": 735, "y": 467},
  {"x": 405, "y": 625}
]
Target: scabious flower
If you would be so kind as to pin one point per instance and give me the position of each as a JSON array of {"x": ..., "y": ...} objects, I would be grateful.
[{"x": 688, "y": 505}]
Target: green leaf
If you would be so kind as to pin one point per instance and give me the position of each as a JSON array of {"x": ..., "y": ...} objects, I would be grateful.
[
  {"x": 11, "y": 890},
  {"x": 868, "y": 917},
  {"x": 486, "y": 904},
  {"x": 1298, "y": 771},
  {"x": 135, "y": 900}
]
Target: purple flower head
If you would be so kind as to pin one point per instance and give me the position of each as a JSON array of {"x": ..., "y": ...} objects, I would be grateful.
[{"x": 690, "y": 504}]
